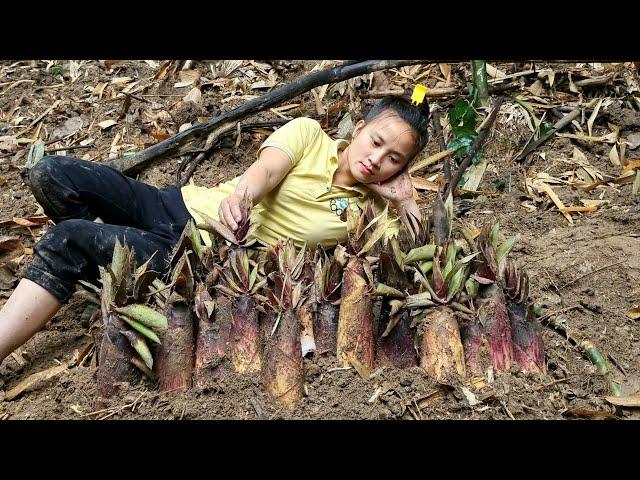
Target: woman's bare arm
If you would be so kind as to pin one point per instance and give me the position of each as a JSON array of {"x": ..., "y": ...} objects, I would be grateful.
[{"x": 259, "y": 179}]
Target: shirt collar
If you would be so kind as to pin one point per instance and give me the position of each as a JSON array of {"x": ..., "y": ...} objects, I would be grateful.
[{"x": 332, "y": 165}]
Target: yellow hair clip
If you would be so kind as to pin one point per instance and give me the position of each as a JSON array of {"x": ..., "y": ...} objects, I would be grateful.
[{"x": 417, "y": 97}]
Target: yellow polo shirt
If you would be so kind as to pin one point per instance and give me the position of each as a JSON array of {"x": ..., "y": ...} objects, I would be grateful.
[{"x": 305, "y": 206}]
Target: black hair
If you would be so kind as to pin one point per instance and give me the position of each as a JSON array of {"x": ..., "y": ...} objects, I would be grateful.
[{"x": 417, "y": 116}]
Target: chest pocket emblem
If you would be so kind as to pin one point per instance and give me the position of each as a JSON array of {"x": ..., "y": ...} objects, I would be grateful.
[{"x": 339, "y": 206}]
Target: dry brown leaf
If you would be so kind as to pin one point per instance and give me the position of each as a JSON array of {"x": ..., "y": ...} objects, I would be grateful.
[
  {"x": 318, "y": 102},
  {"x": 162, "y": 72},
  {"x": 632, "y": 165},
  {"x": 435, "y": 158},
  {"x": 99, "y": 89},
  {"x": 69, "y": 127},
  {"x": 593, "y": 116},
  {"x": 228, "y": 67},
  {"x": 152, "y": 116},
  {"x": 107, "y": 124},
  {"x": 111, "y": 63},
  {"x": 594, "y": 203},
  {"x": 263, "y": 84},
  {"x": 556, "y": 200},
  {"x": 445, "y": 69},
  {"x": 187, "y": 78},
  {"x": 493, "y": 72},
  {"x": 572, "y": 85},
  {"x": 25, "y": 222},
  {"x": 545, "y": 177},
  {"x": 536, "y": 88},
  {"x": 628, "y": 401},
  {"x": 615, "y": 133},
  {"x": 625, "y": 178},
  {"x": 634, "y": 313},
  {"x": 614, "y": 158},
  {"x": 115, "y": 146},
  {"x": 121, "y": 80},
  {"x": 262, "y": 67},
  {"x": 132, "y": 88},
  {"x": 586, "y": 413},
  {"x": 2, "y": 182},
  {"x": 284, "y": 108},
  {"x": 609, "y": 138},
  {"x": 579, "y": 157},
  {"x": 34, "y": 381},
  {"x": 194, "y": 95},
  {"x": 580, "y": 209},
  {"x": 551, "y": 75},
  {"x": 8, "y": 243},
  {"x": 420, "y": 183},
  {"x": 159, "y": 135},
  {"x": 425, "y": 400},
  {"x": 623, "y": 153}
]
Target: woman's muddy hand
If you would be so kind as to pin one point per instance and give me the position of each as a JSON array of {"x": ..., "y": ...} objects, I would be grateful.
[{"x": 229, "y": 211}]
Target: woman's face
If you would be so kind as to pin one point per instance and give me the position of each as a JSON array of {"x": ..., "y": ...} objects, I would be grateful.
[{"x": 380, "y": 148}]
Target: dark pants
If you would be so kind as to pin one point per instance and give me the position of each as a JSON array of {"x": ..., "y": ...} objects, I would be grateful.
[{"x": 73, "y": 193}]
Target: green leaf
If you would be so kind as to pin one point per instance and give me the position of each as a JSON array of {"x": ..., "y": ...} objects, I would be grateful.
[
  {"x": 462, "y": 117},
  {"x": 57, "y": 70},
  {"x": 147, "y": 332},
  {"x": 545, "y": 127},
  {"x": 462, "y": 146}
]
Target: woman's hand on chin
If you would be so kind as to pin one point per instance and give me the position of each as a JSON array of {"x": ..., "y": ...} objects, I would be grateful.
[{"x": 397, "y": 189}]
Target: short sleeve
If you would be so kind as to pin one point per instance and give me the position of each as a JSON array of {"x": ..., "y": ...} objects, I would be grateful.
[{"x": 293, "y": 138}]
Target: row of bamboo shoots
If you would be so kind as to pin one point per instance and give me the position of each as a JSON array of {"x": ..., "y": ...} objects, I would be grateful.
[{"x": 453, "y": 303}]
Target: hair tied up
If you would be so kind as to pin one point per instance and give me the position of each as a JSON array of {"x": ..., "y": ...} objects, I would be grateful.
[
  {"x": 419, "y": 91},
  {"x": 417, "y": 99}
]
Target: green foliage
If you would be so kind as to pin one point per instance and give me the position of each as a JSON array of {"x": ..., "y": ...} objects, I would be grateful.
[
  {"x": 462, "y": 118},
  {"x": 544, "y": 128}
]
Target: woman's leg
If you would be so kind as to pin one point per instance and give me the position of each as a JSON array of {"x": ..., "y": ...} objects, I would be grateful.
[
  {"x": 68, "y": 252},
  {"x": 27, "y": 310},
  {"x": 69, "y": 188}
]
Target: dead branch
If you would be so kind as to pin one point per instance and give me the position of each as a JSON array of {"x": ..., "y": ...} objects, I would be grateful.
[
  {"x": 559, "y": 125},
  {"x": 437, "y": 92},
  {"x": 594, "y": 82},
  {"x": 136, "y": 162},
  {"x": 431, "y": 92},
  {"x": 211, "y": 142}
]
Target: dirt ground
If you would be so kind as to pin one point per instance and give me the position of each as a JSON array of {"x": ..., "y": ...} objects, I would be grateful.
[{"x": 586, "y": 274}]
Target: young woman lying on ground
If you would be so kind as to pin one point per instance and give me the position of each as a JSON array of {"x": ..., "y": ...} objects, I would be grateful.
[{"x": 300, "y": 185}]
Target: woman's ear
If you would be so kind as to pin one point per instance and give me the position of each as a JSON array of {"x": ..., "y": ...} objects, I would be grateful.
[{"x": 359, "y": 126}]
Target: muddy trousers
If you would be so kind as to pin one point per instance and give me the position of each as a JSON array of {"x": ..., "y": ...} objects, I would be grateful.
[{"x": 73, "y": 193}]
